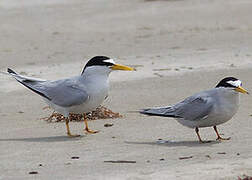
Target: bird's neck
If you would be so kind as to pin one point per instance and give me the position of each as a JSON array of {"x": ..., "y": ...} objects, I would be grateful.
[
  {"x": 232, "y": 96},
  {"x": 96, "y": 72},
  {"x": 95, "y": 77}
]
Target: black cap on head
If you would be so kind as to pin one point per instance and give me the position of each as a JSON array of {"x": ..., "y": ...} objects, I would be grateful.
[
  {"x": 98, "y": 61},
  {"x": 228, "y": 82}
]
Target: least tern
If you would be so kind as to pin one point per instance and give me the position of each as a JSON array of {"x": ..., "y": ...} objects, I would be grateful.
[
  {"x": 205, "y": 109},
  {"x": 79, "y": 94}
]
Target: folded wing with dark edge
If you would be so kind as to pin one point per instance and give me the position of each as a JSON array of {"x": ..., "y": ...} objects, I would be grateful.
[
  {"x": 52, "y": 90},
  {"x": 192, "y": 108}
]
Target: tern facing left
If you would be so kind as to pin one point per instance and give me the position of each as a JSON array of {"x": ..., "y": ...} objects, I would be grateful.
[
  {"x": 207, "y": 108},
  {"x": 79, "y": 94}
]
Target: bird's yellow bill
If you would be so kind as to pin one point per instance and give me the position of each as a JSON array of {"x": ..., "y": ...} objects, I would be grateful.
[
  {"x": 241, "y": 90},
  {"x": 122, "y": 67}
]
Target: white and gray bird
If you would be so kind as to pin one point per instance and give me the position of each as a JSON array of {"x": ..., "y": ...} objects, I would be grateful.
[
  {"x": 205, "y": 109},
  {"x": 79, "y": 94}
]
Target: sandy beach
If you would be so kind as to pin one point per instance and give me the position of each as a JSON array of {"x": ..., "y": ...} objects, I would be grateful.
[{"x": 178, "y": 48}]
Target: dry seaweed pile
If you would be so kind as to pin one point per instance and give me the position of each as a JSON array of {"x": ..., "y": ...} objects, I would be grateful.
[{"x": 100, "y": 113}]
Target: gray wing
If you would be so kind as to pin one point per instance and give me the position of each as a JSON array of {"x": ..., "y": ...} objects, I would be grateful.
[
  {"x": 192, "y": 108},
  {"x": 65, "y": 92}
]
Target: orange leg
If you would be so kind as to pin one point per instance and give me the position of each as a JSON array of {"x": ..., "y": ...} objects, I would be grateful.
[
  {"x": 68, "y": 129},
  {"x": 86, "y": 124},
  {"x": 200, "y": 140},
  {"x": 218, "y": 135}
]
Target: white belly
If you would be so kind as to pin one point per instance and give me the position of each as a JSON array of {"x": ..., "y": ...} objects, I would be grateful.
[{"x": 208, "y": 121}]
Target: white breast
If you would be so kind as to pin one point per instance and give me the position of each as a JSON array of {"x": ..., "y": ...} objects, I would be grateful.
[{"x": 97, "y": 93}]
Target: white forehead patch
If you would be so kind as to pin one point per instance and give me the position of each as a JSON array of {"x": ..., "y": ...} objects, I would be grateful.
[
  {"x": 235, "y": 83},
  {"x": 110, "y": 61}
]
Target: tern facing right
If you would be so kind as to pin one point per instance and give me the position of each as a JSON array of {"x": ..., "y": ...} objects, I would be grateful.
[
  {"x": 78, "y": 94},
  {"x": 205, "y": 109}
]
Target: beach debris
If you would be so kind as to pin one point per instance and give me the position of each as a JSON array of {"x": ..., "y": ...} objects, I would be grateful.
[
  {"x": 245, "y": 177},
  {"x": 148, "y": 161},
  {"x": 75, "y": 157},
  {"x": 177, "y": 69},
  {"x": 185, "y": 157},
  {"x": 33, "y": 172},
  {"x": 108, "y": 125},
  {"x": 162, "y": 69},
  {"x": 190, "y": 68},
  {"x": 162, "y": 159},
  {"x": 21, "y": 112},
  {"x": 120, "y": 161},
  {"x": 208, "y": 156},
  {"x": 100, "y": 113},
  {"x": 157, "y": 74},
  {"x": 238, "y": 154},
  {"x": 221, "y": 153},
  {"x": 40, "y": 165}
]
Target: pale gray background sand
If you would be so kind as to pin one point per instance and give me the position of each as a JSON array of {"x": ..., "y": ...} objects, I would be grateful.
[{"x": 179, "y": 48}]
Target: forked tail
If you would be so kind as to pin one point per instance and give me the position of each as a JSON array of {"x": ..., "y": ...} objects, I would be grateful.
[{"x": 162, "y": 111}]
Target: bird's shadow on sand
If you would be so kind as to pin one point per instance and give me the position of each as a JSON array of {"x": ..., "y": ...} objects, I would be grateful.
[
  {"x": 176, "y": 143},
  {"x": 45, "y": 139}
]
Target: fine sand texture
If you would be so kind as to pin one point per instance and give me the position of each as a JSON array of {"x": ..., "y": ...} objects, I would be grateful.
[{"x": 178, "y": 47}]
